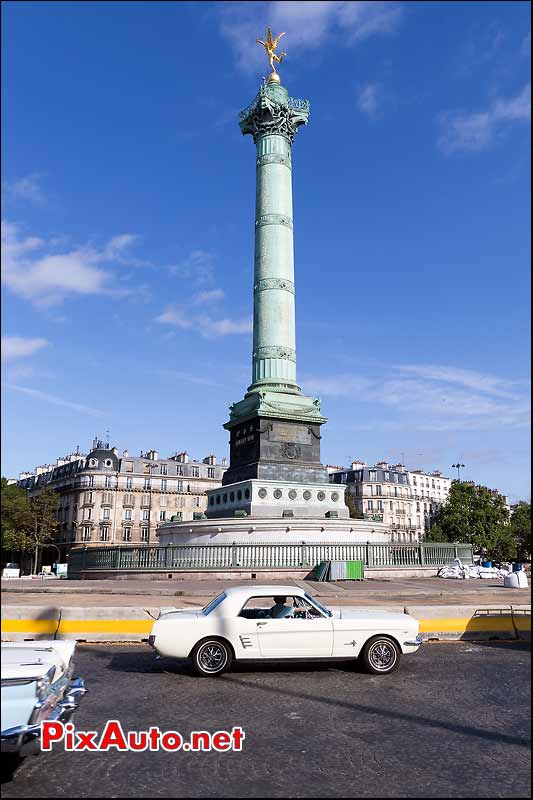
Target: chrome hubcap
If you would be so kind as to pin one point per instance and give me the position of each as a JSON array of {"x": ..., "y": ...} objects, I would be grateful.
[
  {"x": 212, "y": 657},
  {"x": 382, "y": 655}
]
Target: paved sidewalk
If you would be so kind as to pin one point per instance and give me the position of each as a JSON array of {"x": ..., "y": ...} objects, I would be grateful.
[{"x": 420, "y": 591}]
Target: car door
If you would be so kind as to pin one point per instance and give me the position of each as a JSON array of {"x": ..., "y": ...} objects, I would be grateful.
[{"x": 296, "y": 637}]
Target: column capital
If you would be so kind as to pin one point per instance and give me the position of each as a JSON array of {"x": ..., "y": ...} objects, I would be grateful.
[{"x": 273, "y": 112}]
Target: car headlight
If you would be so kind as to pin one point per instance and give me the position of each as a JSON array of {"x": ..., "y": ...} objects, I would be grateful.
[{"x": 44, "y": 684}]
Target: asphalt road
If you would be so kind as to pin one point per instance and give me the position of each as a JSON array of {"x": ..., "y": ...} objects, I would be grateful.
[{"x": 453, "y": 721}]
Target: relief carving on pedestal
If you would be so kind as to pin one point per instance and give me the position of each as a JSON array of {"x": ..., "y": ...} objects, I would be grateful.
[{"x": 291, "y": 450}]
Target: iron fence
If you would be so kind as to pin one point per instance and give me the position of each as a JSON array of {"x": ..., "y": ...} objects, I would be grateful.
[{"x": 262, "y": 555}]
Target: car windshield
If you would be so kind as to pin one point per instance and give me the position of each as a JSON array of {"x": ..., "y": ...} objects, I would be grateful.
[
  {"x": 213, "y": 604},
  {"x": 324, "y": 610}
]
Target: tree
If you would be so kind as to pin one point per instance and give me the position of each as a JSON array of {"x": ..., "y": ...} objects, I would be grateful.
[
  {"x": 28, "y": 523},
  {"x": 43, "y": 523},
  {"x": 521, "y": 530},
  {"x": 13, "y": 515},
  {"x": 355, "y": 511},
  {"x": 477, "y": 516}
]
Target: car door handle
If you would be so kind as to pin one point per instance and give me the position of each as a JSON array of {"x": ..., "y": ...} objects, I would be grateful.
[{"x": 261, "y": 623}]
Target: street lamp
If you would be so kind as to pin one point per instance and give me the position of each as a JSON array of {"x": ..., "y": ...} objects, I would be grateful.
[{"x": 458, "y": 467}]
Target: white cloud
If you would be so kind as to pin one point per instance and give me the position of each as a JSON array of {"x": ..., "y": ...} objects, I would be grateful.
[
  {"x": 307, "y": 25},
  {"x": 465, "y": 377},
  {"x": 198, "y": 266},
  {"x": 57, "y": 401},
  {"x": 209, "y": 297},
  {"x": 20, "y": 347},
  {"x": 438, "y": 398},
  {"x": 204, "y": 324},
  {"x": 27, "y": 189},
  {"x": 32, "y": 270},
  {"x": 370, "y": 99},
  {"x": 462, "y": 131}
]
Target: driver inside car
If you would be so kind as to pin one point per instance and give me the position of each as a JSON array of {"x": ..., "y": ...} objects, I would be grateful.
[{"x": 280, "y": 610}]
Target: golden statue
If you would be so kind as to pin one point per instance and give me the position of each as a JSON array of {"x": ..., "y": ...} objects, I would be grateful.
[{"x": 270, "y": 46}]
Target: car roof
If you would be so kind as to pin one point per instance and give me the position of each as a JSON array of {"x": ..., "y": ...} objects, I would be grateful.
[{"x": 262, "y": 590}]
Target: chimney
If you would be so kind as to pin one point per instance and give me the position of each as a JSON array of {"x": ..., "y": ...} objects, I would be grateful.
[
  {"x": 125, "y": 454},
  {"x": 210, "y": 459},
  {"x": 358, "y": 464},
  {"x": 224, "y": 462},
  {"x": 183, "y": 457}
]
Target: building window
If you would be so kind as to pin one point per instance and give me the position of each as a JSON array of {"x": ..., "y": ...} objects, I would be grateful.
[
  {"x": 370, "y": 505},
  {"x": 147, "y": 483},
  {"x": 164, "y": 469},
  {"x": 129, "y": 483},
  {"x": 129, "y": 466},
  {"x": 107, "y": 513},
  {"x": 179, "y": 486},
  {"x": 108, "y": 481},
  {"x": 210, "y": 472},
  {"x": 380, "y": 505},
  {"x": 195, "y": 472},
  {"x": 144, "y": 534},
  {"x": 146, "y": 513},
  {"x": 146, "y": 469},
  {"x": 163, "y": 500},
  {"x": 196, "y": 502},
  {"x": 145, "y": 500},
  {"x": 88, "y": 497},
  {"x": 162, "y": 516},
  {"x": 378, "y": 490},
  {"x": 391, "y": 505},
  {"x": 104, "y": 534},
  {"x": 373, "y": 475},
  {"x": 129, "y": 500},
  {"x": 127, "y": 513},
  {"x": 107, "y": 498},
  {"x": 179, "y": 470},
  {"x": 164, "y": 484},
  {"x": 86, "y": 533},
  {"x": 126, "y": 535},
  {"x": 87, "y": 513}
]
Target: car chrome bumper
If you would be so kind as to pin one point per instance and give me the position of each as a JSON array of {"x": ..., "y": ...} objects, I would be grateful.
[
  {"x": 414, "y": 642},
  {"x": 26, "y": 739}
]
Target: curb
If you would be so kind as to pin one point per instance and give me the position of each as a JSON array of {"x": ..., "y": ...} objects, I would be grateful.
[{"x": 133, "y": 624}]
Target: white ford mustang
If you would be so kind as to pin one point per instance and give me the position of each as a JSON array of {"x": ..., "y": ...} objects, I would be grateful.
[{"x": 282, "y": 622}]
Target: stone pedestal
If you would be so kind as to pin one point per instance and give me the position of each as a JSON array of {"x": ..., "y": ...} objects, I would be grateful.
[{"x": 277, "y": 500}]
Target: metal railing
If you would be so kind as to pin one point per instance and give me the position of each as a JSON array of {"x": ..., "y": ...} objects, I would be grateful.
[{"x": 262, "y": 555}]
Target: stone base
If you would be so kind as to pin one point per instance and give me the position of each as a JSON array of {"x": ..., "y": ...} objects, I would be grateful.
[
  {"x": 265, "y": 530},
  {"x": 276, "y": 499}
]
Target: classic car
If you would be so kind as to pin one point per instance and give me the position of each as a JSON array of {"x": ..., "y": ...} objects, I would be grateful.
[
  {"x": 37, "y": 685},
  {"x": 282, "y": 623}
]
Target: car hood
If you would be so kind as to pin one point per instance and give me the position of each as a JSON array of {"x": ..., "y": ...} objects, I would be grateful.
[
  {"x": 31, "y": 661},
  {"x": 373, "y": 615}
]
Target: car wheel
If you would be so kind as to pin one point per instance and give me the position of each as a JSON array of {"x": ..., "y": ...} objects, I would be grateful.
[
  {"x": 211, "y": 657},
  {"x": 380, "y": 655}
]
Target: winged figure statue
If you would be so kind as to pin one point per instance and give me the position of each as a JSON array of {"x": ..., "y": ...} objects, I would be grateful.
[{"x": 270, "y": 47}]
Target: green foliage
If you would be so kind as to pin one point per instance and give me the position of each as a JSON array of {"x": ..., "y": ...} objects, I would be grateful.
[
  {"x": 355, "y": 511},
  {"x": 27, "y": 522},
  {"x": 521, "y": 530},
  {"x": 474, "y": 515}
]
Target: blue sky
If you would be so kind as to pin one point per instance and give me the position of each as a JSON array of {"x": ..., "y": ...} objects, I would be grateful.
[{"x": 128, "y": 204}]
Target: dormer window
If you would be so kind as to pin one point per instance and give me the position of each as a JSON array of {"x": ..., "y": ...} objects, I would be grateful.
[{"x": 93, "y": 462}]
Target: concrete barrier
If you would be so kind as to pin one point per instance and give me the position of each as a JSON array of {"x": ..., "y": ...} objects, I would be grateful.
[
  {"x": 449, "y": 623},
  {"x": 29, "y": 622},
  {"x": 111, "y": 624},
  {"x": 133, "y": 623}
]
